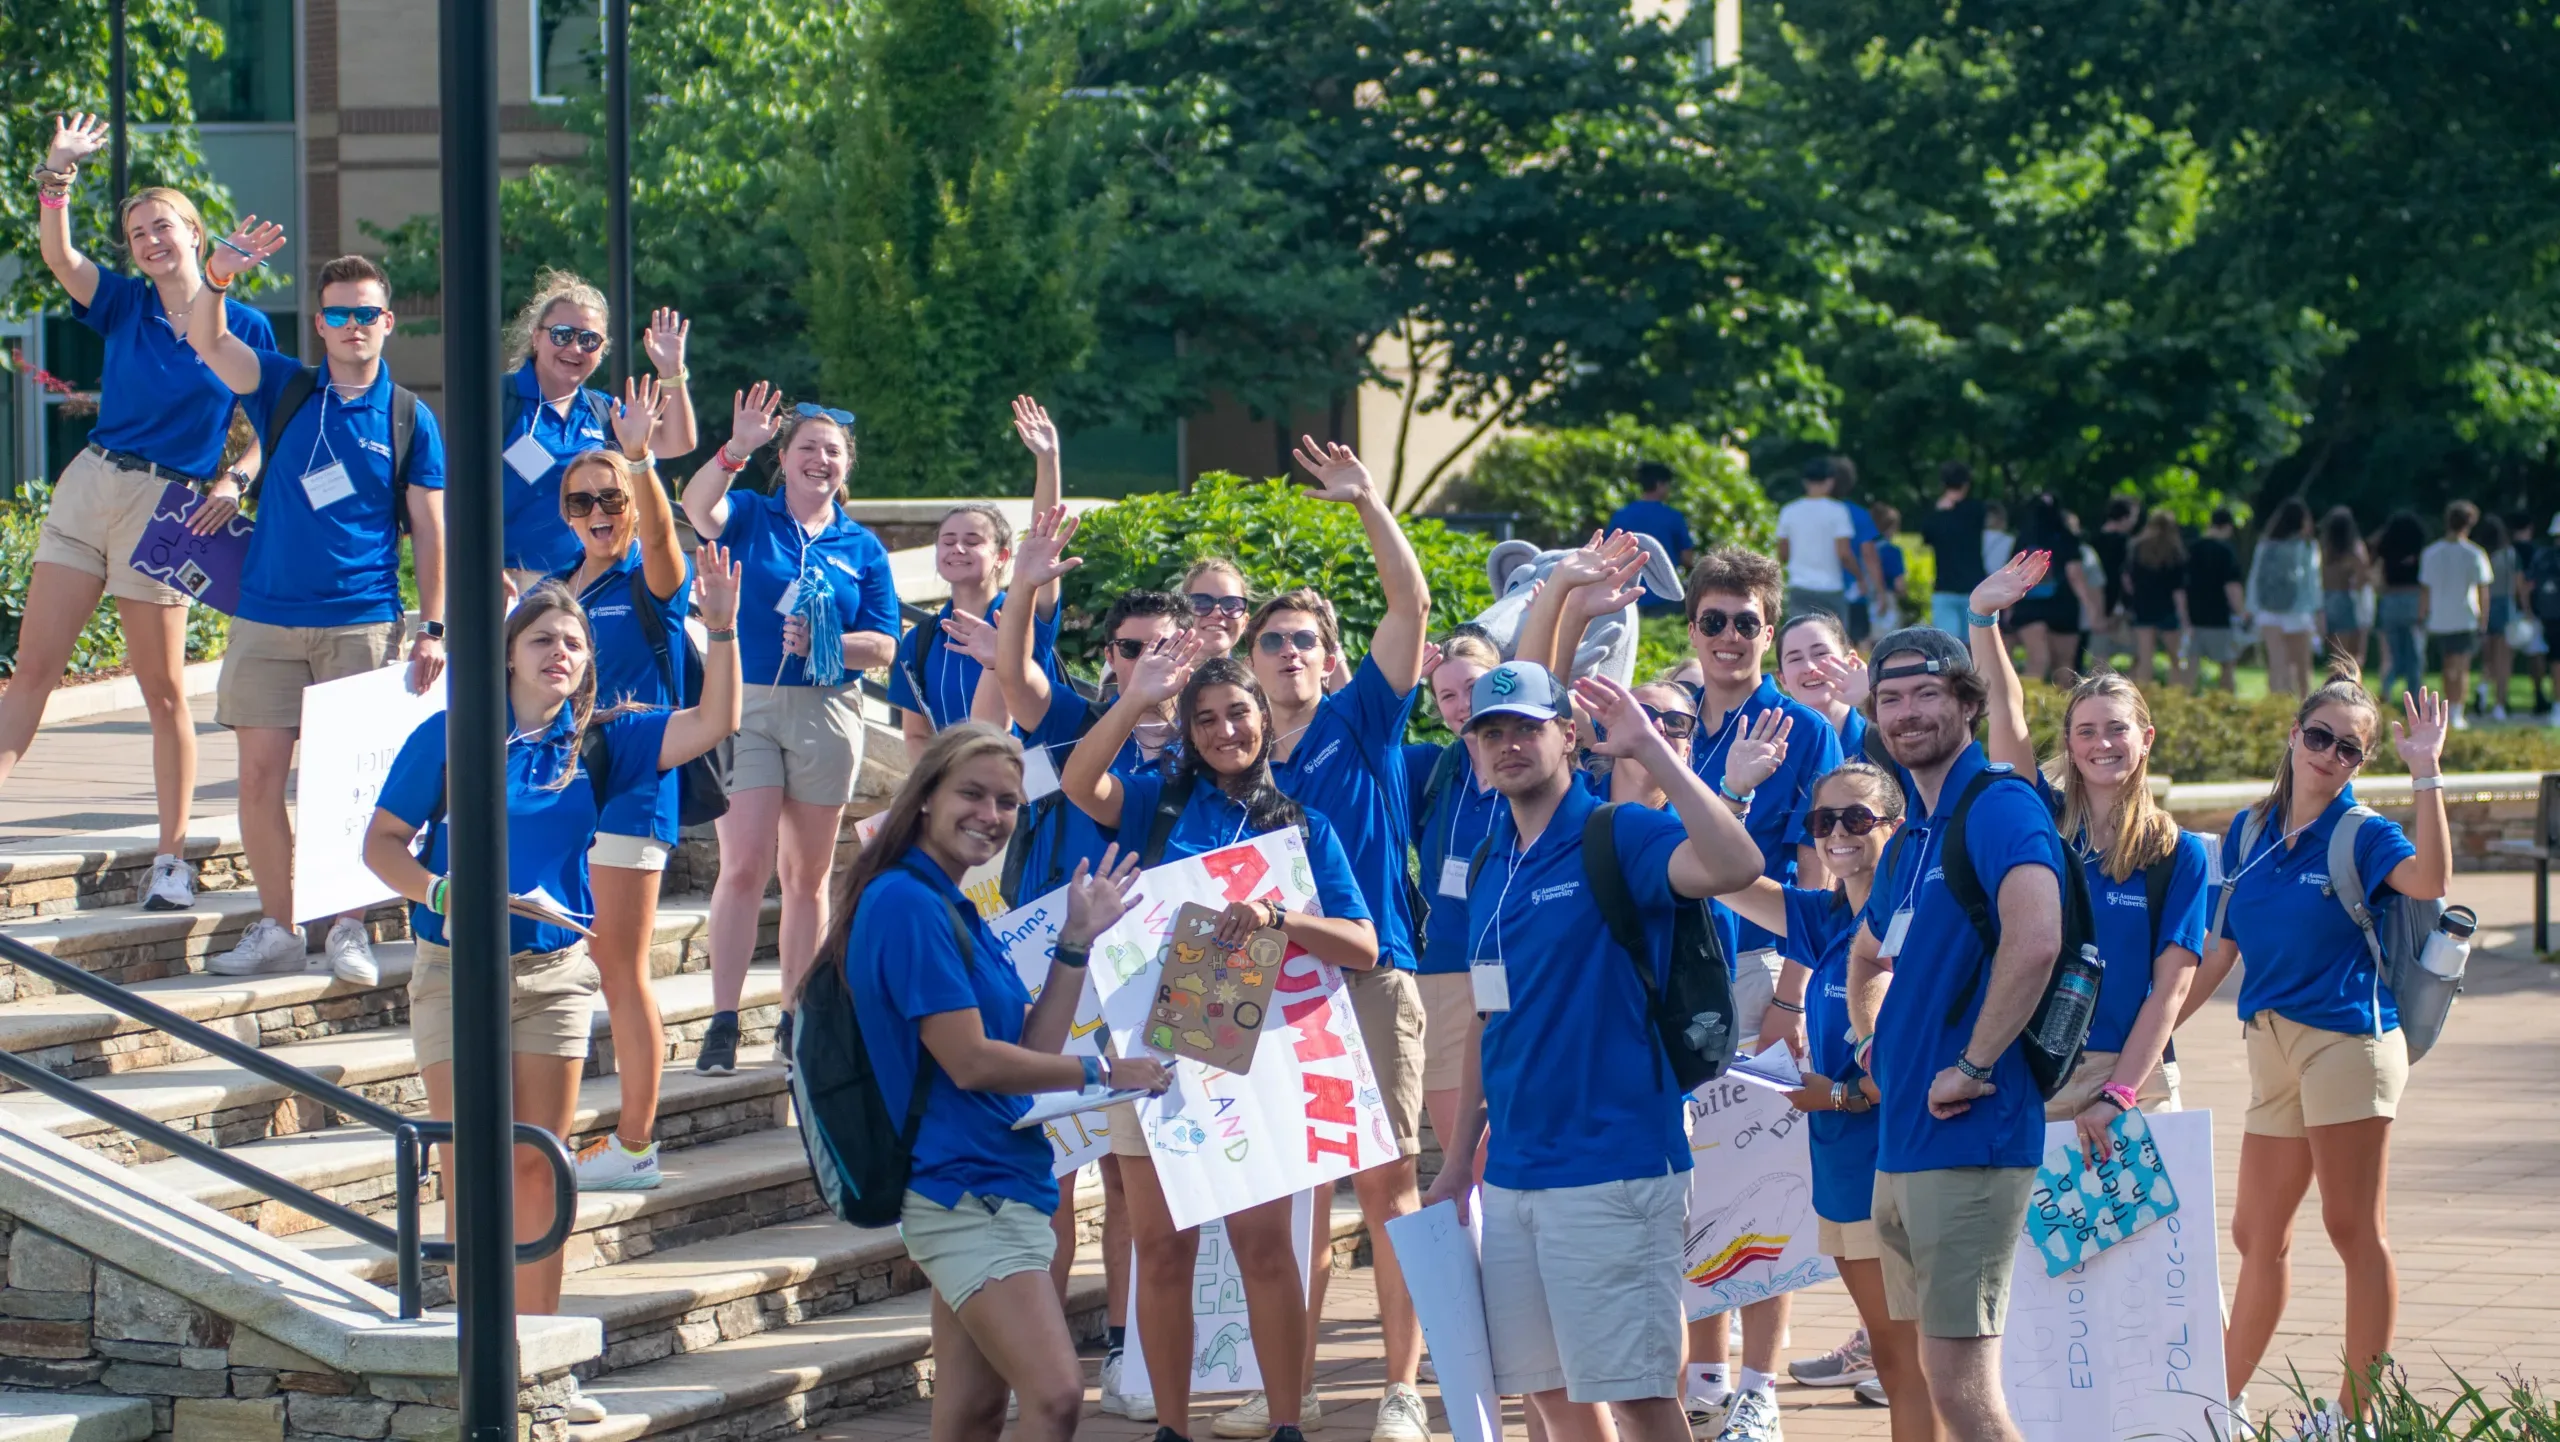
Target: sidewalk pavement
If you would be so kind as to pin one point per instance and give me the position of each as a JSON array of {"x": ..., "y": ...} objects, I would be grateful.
[
  {"x": 95, "y": 775},
  {"x": 2475, "y": 1161}
]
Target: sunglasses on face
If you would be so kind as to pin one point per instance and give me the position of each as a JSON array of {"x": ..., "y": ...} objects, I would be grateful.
[
  {"x": 1128, "y": 650},
  {"x": 565, "y": 336},
  {"x": 1856, "y": 820},
  {"x": 1673, "y": 724},
  {"x": 2318, "y": 738},
  {"x": 1203, "y": 604},
  {"x": 339, "y": 317},
  {"x": 814, "y": 411},
  {"x": 586, "y": 503},
  {"x": 1712, "y": 623},
  {"x": 1272, "y": 643}
]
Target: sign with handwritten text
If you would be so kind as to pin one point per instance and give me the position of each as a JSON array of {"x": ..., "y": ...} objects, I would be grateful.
[
  {"x": 352, "y": 729},
  {"x": 1222, "y": 1353},
  {"x": 1029, "y": 934},
  {"x": 1752, "y": 1230}
]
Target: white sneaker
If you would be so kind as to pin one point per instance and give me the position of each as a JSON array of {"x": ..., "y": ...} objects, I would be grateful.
[
  {"x": 1754, "y": 1418},
  {"x": 581, "y": 1410},
  {"x": 350, "y": 953},
  {"x": 172, "y": 886},
  {"x": 2460, "y": 721},
  {"x": 1140, "y": 1407},
  {"x": 605, "y": 1165},
  {"x": 1401, "y": 1416},
  {"x": 1253, "y": 1419},
  {"x": 1429, "y": 1373},
  {"x": 268, "y": 946},
  {"x": 1871, "y": 1392}
]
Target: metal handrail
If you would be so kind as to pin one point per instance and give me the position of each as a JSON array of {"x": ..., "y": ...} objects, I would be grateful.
[{"x": 410, "y": 1136}]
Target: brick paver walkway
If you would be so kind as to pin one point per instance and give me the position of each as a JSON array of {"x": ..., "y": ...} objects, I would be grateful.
[{"x": 95, "y": 775}]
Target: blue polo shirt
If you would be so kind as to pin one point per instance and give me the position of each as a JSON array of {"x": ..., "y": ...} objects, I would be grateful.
[
  {"x": 2303, "y": 957},
  {"x": 1776, "y": 822},
  {"x": 2123, "y": 913},
  {"x": 1663, "y": 522},
  {"x": 949, "y": 679},
  {"x": 1062, "y": 834},
  {"x": 1853, "y": 730},
  {"x": 1210, "y": 819},
  {"x": 537, "y": 538},
  {"x": 156, "y": 397},
  {"x": 1349, "y": 765},
  {"x": 1941, "y": 958},
  {"x": 774, "y": 553},
  {"x": 318, "y": 557},
  {"x": 1454, "y": 827},
  {"x": 1820, "y": 927},
  {"x": 904, "y": 964},
  {"x": 1862, "y": 528},
  {"x": 1575, "y": 1084},
  {"x": 628, "y": 672},
  {"x": 550, "y": 824}
]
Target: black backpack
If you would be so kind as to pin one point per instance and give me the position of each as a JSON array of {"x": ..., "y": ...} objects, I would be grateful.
[
  {"x": 2542, "y": 575},
  {"x": 298, "y": 391},
  {"x": 2051, "y": 1065},
  {"x": 701, "y": 798},
  {"x": 1045, "y": 818},
  {"x": 1443, "y": 772},
  {"x": 859, "y": 1154}
]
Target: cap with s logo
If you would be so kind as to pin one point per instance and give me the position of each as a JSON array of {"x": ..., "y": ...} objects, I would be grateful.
[{"x": 1517, "y": 688}]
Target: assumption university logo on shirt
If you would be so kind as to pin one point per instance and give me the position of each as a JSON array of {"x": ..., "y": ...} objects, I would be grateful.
[
  {"x": 1325, "y": 755},
  {"x": 1557, "y": 892},
  {"x": 2127, "y": 898}
]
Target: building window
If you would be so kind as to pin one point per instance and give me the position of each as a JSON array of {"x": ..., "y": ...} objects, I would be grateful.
[
  {"x": 568, "y": 48},
  {"x": 251, "y": 82}
]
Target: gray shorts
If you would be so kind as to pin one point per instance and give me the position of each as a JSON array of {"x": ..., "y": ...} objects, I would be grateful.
[
  {"x": 2218, "y": 644},
  {"x": 1950, "y": 1238},
  {"x": 805, "y": 739},
  {"x": 1585, "y": 1288}
]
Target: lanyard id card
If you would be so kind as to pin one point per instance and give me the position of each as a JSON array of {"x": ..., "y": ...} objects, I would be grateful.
[
  {"x": 790, "y": 598},
  {"x": 1453, "y": 877},
  {"x": 1894, "y": 933},
  {"x": 327, "y": 486},
  {"x": 528, "y": 459},
  {"x": 1491, "y": 981},
  {"x": 1039, "y": 773}
]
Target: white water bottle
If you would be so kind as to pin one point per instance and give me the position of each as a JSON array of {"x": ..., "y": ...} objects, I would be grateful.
[{"x": 2448, "y": 948}]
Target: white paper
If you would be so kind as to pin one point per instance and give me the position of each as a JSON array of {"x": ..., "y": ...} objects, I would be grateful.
[
  {"x": 1894, "y": 932},
  {"x": 1453, "y": 877},
  {"x": 1222, "y": 1355},
  {"x": 2129, "y": 1345},
  {"x": 1752, "y": 1230},
  {"x": 1028, "y": 935},
  {"x": 352, "y": 729},
  {"x": 1774, "y": 1069},
  {"x": 1442, "y": 1262},
  {"x": 327, "y": 486},
  {"x": 1490, "y": 983},
  {"x": 1051, "y": 1106},
  {"x": 790, "y": 598},
  {"x": 528, "y": 459}
]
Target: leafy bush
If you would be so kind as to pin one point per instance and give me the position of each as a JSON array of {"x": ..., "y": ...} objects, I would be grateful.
[
  {"x": 100, "y": 645},
  {"x": 2516, "y": 1410},
  {"x": 1282, "y": 538},
  {"x": 1564, "y": 483},
  {"x": 2215, "y": 737}
]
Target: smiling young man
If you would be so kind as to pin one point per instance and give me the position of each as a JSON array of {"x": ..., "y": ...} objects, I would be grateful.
[
  {"x": 1963, "y": 1123},
  {"x": 1585, "y": 1192}
]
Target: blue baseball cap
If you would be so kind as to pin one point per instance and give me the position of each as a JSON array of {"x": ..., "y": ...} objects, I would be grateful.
[{"x": 1517, "y": 688}]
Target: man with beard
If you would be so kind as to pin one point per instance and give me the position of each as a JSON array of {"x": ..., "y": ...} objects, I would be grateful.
[{"x": 1963, "y": 1123}]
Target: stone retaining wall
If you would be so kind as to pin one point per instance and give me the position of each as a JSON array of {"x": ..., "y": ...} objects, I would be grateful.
[{"x": 2479, "y": 822}]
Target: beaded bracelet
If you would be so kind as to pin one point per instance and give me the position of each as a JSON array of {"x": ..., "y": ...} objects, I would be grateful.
[{"x": 2122, "y": 1095}]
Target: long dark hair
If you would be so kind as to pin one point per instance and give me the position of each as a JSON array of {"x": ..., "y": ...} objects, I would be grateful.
[
  {"x": 544, "y": 599},
  {"x": 1265, "y": 808},
  {"x": 2339, "y": 538},
  {"x": 2292, "y": 519}
]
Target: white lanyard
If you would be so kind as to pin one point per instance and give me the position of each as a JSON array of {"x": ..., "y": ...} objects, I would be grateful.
[
  {"x": 320, "y": 432},
  {"x": 1493, "y": 928},
  {"x": 2250, "y": 863}
]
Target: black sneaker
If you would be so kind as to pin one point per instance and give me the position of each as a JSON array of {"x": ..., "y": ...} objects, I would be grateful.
[
  {"x": 1167, "y": 1434},
  {"x": 719, "y": 1046},
  {"x": 782, "y": 1042},
  {"x": 1287, "y": 1433}
]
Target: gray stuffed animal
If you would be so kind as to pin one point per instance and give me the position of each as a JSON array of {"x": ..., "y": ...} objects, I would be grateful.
[{"x": 1608, "y": 646}]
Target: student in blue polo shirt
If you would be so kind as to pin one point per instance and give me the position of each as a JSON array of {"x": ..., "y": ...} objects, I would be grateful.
[
  {"x": 1818, "y": 666},
  {"x": 817, "y": 608},
  {"x": 1652, "y": 514},
  {"x": 2327, "y": 1059},
  {"x": 320, "y": 594},
  {"x": 979, "y": 1199},
  {"x": 1963, "y": 1124},
  {"x": 162, "y": 419},
  {"x": 555, "y": 805},
  {"x": 552, "y": 416},
  {"x": 1224, "y": 764},
  {"x": 1453, "y": 811},
  {"x": 1584, "y": 1197}
]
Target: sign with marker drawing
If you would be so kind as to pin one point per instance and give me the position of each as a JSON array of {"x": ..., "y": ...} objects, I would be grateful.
[
  {"x": 1309, "y": 1113},
  {"x": 2080, "y": 1208},
  {"x": 1752, "y": 1229},
  {"x": 352, "y": 729},
  {"x": 206, "y": 567},
  {"x": 1211, "y": 998},
  {"x": 1029, "y": 934},
  {"x": 1222, "y": 1356}
]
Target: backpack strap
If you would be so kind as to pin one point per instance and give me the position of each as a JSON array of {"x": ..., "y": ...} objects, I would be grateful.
[
  {"x": 1475, "y": 864},
  {"x": 1965, "y": 885},
  {"x": 644, "y": 606},
  {"x": 2156, "y": 880},
  {"x": 2253, "y": 824},
  {"x": 1170, "y": 805},
  {"x": 1609, "y": 891},
  {"x": 2347, "y": 884},
  {"x": 1443, "y": 771},
  {"x": 298, "y": 390}
]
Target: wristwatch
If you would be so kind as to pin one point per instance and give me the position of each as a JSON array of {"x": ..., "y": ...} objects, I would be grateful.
[
  {"x": 1965, "y": 1065},
  {"x": 431, "y": 630}
]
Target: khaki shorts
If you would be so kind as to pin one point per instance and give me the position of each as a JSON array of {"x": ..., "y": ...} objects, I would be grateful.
[
  {"x": 1755, "y": 982},
  {"x": 2301, "y": 1076},
  {"x": 804, "y": 739},
  {"x": 552, "y": 1014},
  {"x": 628, "y": 853},
  {"x": 96, "y": 518},
  {"x": 265, "y": 668},
  {"x": 2158, "y": 1092},
  {"x": 1128, "y": 1138},
  {"x": 984, "y": 1239},
  {"x": 1388, "y": 1007},
  {"x": 1947, "y": 1239},
  {"x": 1589, "y": 1279},
  {"x": 1848, "y": 1241},
  {"x": 1448, "y": 1019}
]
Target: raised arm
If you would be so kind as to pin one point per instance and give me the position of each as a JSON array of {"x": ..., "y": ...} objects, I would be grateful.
[
  {"x": 2420, "y": 743},
  {"x": 231, "y": 359},
  {"x": 751, "y": 425},
  {"x": 1040, "y": 437},
  {"x": 1719, "y": 855},
  {"x": 1039, "y": 559},
  {"x": 76, "y": 137},
  {"x": 637, "y": 420},
  {"x": 1097, "y": 897},
  {"x": 1157, "y": 679},
  {"x": 1396, "y": 646},
  {"x": 2004, "y": 731},
  {"x": 714, "y": 718},
  {"x": 675, "y": 433}
]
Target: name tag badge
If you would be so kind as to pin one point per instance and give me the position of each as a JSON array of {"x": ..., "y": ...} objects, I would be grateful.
[
  {"x": 327, "y": 486},
  {"x": 1453, "y": 877},
  {"x": 1039, "y": 773},
  {"x": 528, "y": 459},
  {"x": 1492, "y": 983},
  {"x": 790, "y": 598},
  {"x": 1894, "y": 933}
]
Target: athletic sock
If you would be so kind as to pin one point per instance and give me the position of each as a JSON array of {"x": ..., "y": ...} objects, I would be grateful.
[
  {"x": 1708, "y": 1384},
  {"x": 1757, "y": 1382},
  {"x": 1119, "y": 1337}
]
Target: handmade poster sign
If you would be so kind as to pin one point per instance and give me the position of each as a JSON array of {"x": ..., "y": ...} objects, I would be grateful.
[
  {"x": 2127, "y": 1345},
  {"x": 2079, "y": 1209},
  {"x": 1442, "y": 1259},
  {"x": 352, "y": 729},
  {"x": 1211, "y": 999},
  {"x": 1029, "y": 934},
  {"x": 206, "y": 567},
  {"x": 1222, "y": 1358},
  {"x": 1309, "y": 1111},
  {"x": 1752, "y": 1231}
]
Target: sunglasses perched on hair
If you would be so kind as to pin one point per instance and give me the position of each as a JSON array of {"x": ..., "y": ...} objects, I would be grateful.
[
  {"x": 1821, "y": 821},
  {"x": 1712, "y": 623},
  {"x": 1272, "y": 643},
  {"x": 813, "y": 411},
  {"x": 1202, "y": 603},
  {"x": 338, "y": 317},
  {"x": 1673, "y": 724},
  {"x": 1128, "y": 648},
  {"x": 586, "y": 503},
  {"x": 2317, "y": 738},
  {"x": 565, "y": 336}
]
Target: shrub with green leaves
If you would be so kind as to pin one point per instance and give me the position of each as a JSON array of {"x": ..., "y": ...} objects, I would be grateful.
[
  {"x": 2216, "y": 737},
  {"x": 1564, "y": 483},
  {"x": 100, "y": 646}
]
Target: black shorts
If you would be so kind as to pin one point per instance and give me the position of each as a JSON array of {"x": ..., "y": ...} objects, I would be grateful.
[
  {"x": 2059, "y": 612},
  {"x": 1860, "y": 622}
]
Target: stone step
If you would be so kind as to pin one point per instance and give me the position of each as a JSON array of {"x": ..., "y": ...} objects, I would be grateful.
[
  {"x": 56, "y": 1417},
  {"x": 127, "y": 944},
  {"x": 88, "y": 870}
]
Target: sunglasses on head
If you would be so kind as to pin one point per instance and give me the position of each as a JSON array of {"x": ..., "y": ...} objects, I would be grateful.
[
  {"x": 1202, "y": 604},
  {"x": 813, "y": 411},
  {"x": 586, "y": 503},
  {"x": 1128, "y": 649},
  {"x": 338, "y": 317},
  {"x": 2317, "y": 738},
  {"x": 1673, "y": 724},
  {"x": 1272, "y": 643},
  {"x": 1821, "y": 821},
  {"x": 565, "y": 336},
  {"x": 1712, "y": 623}
]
